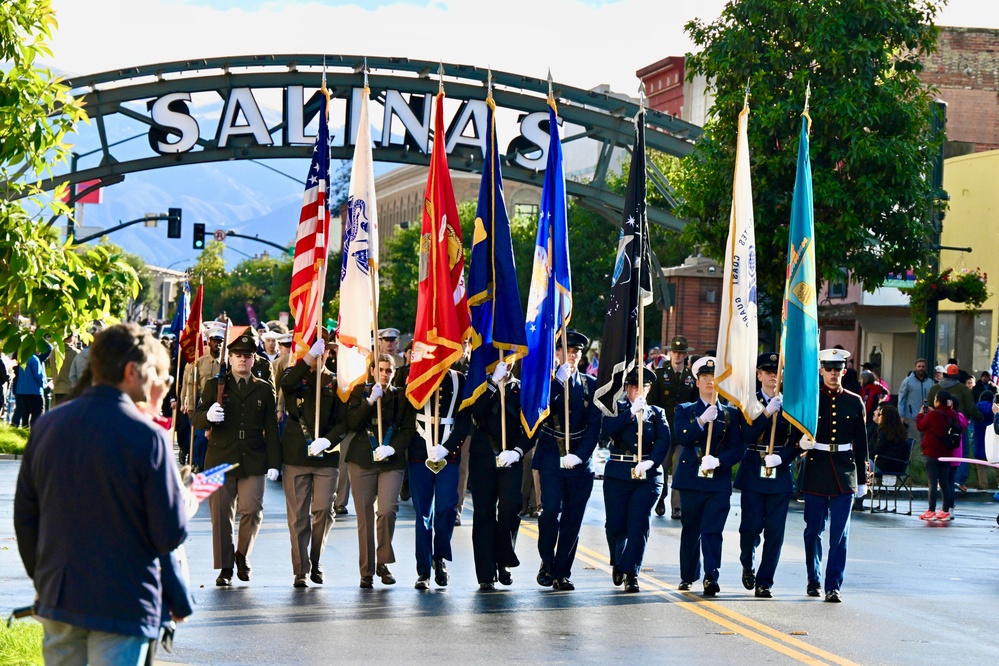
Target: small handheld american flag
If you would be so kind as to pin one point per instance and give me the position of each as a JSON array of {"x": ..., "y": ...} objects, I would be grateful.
[{"x": 205, "y": 483}]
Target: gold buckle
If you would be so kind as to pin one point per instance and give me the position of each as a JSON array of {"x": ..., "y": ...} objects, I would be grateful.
[{"x": 833, "y": 448}]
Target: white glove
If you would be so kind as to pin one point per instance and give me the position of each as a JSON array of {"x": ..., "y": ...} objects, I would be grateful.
[
  {"x": 508, "y": 457},
  {"x": 319, "y": 446},
  {"x": 638, "y": 406},
  {"x": 571, "y": 460},
  {"x": 499, "y": 374},
  {"x": 563, "y": 373},
  {"x": 709, "y": 462},
  {"x": 806, "y": 443},
  {"x": 272, "y": 474},
  {"x": 216, "y": 414},
  {"x": 710, "y": 414},
  {"x": 645, "y": 466},
  {"x": 376, "y": 392},
  {"x": 317, "y": 348},
  {"x": 773, "y": 460},
  {"x": 774, "y": 405},
  {"x": 383, "y": 452},
  {"x": 862, "y": 490},
  {"x": 439, "y": 452}
]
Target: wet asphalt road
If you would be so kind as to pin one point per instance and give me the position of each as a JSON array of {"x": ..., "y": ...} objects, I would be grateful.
[{"x": 914, "y": 594}]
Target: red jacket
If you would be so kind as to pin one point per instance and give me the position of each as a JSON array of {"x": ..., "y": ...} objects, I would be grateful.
[{"x": 933, "y": 424}]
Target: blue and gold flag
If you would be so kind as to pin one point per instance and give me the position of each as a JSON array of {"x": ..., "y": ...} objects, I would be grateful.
[
  {"x": 493, "y": 297},
  {"x": 549, "y": 304},
  {"x": 799, "y": 344}
]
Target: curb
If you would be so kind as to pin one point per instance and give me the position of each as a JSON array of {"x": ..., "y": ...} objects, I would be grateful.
[{"x": 9, "y": 456}]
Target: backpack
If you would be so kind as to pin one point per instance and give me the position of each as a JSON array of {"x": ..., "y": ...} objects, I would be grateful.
[{"x": 952, "y": 436}]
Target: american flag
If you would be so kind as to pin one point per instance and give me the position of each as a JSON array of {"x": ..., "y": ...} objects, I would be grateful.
[
  {"x": 995, "y": 366},
  {"x": 205, "y": 483},
  {"x": 312, "y": 243}
]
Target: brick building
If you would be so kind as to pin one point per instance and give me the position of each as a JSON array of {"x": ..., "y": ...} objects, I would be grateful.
[{"x": 696, "y": 289}]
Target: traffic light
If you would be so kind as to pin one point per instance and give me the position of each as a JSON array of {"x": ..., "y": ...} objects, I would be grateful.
[
  {"x": 199, "y": 236},
  {"x": 173, "y": 223}
]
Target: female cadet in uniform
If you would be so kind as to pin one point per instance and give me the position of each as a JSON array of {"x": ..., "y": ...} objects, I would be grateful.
[{"x": 628, "y": 500}]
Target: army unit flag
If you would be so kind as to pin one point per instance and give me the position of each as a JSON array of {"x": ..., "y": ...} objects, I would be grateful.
[
  {"x": 550, "y": 300},
  {"x": 359, "y": 267},
  {"x": 494, "y": 300},
  {"x": 191, "y": 341},
  {"x": 738, "y": 338},
  {"x": 799, "y": 344},
  {"x": 312, "y": 242},
  {"x": 631, "y": 285},
  {"x": 442, "y": 318}
]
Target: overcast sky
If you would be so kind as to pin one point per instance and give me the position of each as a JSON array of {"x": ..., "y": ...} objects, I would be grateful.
[{"x": 584, "y": 42}]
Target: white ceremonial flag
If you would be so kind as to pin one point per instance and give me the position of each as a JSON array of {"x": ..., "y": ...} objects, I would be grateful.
[
  {"x": 359, "y": 268},
  {"x": 738, "y": 338}
]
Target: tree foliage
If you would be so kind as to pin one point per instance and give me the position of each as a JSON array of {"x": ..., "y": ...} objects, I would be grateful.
[
  {"x": 60, "y": 288},
  {"x": 871, "y": 139}
]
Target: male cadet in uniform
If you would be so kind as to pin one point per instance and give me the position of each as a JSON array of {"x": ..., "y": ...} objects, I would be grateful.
[
  {"x": 628, "y": 500},
  {"x": 705, "y": 479},
  {"x": 244, "y": 431},
  {"x": 674, "y": 386},
  {"x": 205, "y": 367},
  {"x": 270, "y": 342},
  {"x": 376, "y": 468},
  {"x": 495, "y": 472},
  {"x": 765, "y": 482},
  {"x": 309, "y": 463},
  {"x": 388, "y": 343},
  {"x": 835, "y": 460},
  {"x": 437, "y": 438},
  {"x": 565, "y": 468},
  {"x": 278, "y": 366}
]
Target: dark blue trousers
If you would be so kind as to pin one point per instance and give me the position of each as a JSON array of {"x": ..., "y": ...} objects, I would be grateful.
[
  {"x": 496, "y": 513},
  {"x": 702, "y": 519},
  {"x": 435, "y": 499},
  {"x": 628, "y": 504},
  {"x": 563, "y": 502},
  {"x": 764, "y": 514},
  {"x": 200, "y": 448},
  {"x": 817, "y": 509}
]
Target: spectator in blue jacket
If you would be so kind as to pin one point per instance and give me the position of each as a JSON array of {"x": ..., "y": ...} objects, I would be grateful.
[{"x": 29, "y": 391}]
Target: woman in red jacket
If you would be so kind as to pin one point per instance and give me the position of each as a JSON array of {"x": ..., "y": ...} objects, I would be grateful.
[{"x": 934, "y": 425}]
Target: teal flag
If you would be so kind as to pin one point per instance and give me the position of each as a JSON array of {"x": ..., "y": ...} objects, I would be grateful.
[{"x": 799, "y": 344}]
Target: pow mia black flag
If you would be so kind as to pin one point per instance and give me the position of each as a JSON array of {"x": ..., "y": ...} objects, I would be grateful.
[{"x": 631, "y": 287}]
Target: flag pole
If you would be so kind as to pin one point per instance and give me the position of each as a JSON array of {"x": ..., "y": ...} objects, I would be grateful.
[
  {"x": 321, "y": 293},
  {"x": 492, "y": 241},
  {"x": 639, "y": 366},
  {"x": 564, "y": 324},
  {"x": 175, "y": 410}
]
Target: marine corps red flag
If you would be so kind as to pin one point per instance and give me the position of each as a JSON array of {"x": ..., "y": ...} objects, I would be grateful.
[
  {"x": 191, "y": 341},
  {"x": 442, "y": 319}
]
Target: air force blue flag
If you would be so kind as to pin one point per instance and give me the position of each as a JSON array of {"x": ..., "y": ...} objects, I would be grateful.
[
  {"x": 179, "y": 322},
  {"x": 549, "y": 304},
  {"x": 493, "y": 297}
]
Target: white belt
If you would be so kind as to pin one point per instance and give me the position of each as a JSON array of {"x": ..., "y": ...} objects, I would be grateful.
[
  {"x": 424, "y": 421},
  {"x": 833, "y": 448}
]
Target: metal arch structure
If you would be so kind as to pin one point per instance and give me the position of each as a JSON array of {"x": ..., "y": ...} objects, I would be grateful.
[{"x": 133, "y": 94}]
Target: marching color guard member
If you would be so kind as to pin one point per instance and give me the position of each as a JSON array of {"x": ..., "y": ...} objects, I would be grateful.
[
  {"x": 243, "y": 430},
  {"x": 309, "y": 472},
  {"x": 434, "y": 484},
  {"x": 495, "y": 473},
  {"x": 836, "y": 459},
  {"x": 674, "y": 386},
  {"x": 628, "y": 501},
  {"x": 565, "y": 469},
  {"x": 376, "y": 468},
  {"x": 765, "y": 482},
  {"x": 705, "y": 479}
]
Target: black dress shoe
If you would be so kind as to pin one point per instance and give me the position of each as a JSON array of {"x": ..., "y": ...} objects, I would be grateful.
[
  {"x": 683, "y": 586},
  {"x": 675, "y": 515},
  {"x": 317, "y": 573},
  {"x": 813, "y": 590},
  {"x": 661, "y": 507},
  {"x": 632, "y": 584},
  {"x": 711, "y": 587},
  {"x": 457, "y": 521},
  {"x": 300, "y": 581},
  {"x": 618, "y": 576},
  {"x": 441, "y": 576},
  {"x": 243, "y": 568},
  {"x": 833, "y": 596},
  {"x": 340, "y": 510},
  {"x": 763, "y": 592},
  {"x": 367, "y": 582},
  {"x": 748, "y": 579},
  {"x": 224, "y": 579},
  {"x": 563, "y": 584},
  {"x": 545, "y": 577},
  {"x": 504, "y": 576},
  {"x": 422, "y": 583},
  {"x": 487, "y": 587},
  {"x": 383, "y": 572}
]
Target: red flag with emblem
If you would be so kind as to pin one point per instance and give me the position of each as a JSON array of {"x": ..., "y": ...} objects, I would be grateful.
[
  {"x": 442, "y": 320},
  {"x": 191, "y": 341}
]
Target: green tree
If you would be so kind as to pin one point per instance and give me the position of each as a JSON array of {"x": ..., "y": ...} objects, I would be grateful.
[
  {"x": 61, "y": 288},
  {"x": 871, "y": 141},
  {"x": 210, "y": 268}
]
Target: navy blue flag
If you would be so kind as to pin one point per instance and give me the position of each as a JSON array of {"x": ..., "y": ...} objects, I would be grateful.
[{"x": 493, "y": 298}]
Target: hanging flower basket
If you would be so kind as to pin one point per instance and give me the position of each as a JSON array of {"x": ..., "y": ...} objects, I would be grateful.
[{"x": 966, "y": 286}]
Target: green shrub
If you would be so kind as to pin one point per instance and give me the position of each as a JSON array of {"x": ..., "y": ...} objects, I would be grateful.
[
  {"x": 12, "y": 440},
  {"x": 21, "y": 643}
]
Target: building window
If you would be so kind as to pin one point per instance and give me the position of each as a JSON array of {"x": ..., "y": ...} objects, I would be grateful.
[
  {"x": 530, "y": 211},
  {"x": 838, "y": 286}
]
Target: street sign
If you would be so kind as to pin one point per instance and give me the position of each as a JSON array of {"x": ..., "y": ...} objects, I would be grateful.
[{"x": 220, "y": 235}]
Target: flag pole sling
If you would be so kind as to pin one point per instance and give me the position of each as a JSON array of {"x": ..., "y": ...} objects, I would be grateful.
[
  {"x": 320, "y": 360},
  {"x": 711, "y": 426},
  {"x": 639, "y": 365},
  {"x": 502, "y": 392},
  {"x": 375, "y": 353},
  {"x": 773, "y": 426}
]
